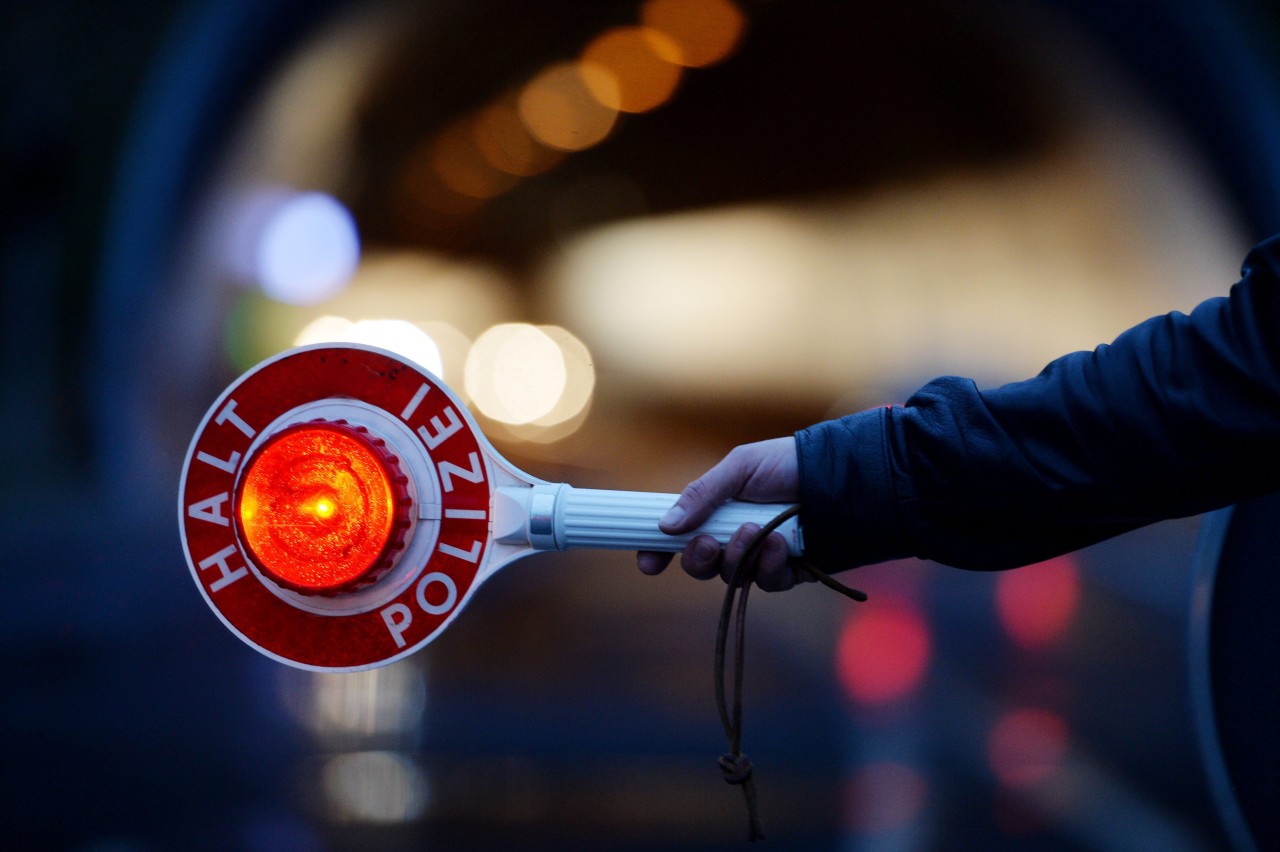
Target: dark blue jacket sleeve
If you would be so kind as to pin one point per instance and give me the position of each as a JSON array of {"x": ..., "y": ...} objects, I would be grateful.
[{"x": 1177, "y": 416}]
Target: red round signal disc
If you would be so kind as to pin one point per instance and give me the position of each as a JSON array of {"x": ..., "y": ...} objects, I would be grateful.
[
  {"x": 319, "y": 508},
  {"x": 358, "y": 619}
]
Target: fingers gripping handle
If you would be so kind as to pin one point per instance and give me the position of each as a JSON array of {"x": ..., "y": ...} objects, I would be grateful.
[{"x": 558, "y": 517}]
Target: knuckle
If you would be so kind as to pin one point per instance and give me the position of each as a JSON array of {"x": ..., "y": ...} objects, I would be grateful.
[
  {"x": 699, "y": 491},
  {"x": 701, "y": 558}
]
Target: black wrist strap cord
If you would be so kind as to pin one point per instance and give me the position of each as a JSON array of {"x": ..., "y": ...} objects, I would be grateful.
[{"x": 734, "y": 764}]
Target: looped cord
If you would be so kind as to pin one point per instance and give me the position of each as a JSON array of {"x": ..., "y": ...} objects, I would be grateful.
[
  {"x": 736, "y": 768},
  {"x": 735, "y": 765}
]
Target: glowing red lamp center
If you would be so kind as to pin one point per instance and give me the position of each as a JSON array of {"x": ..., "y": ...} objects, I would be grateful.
[{"x": 321, "y": 508}]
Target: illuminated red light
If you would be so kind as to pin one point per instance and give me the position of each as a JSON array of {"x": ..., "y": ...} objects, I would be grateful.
[
  {"x": 1026, "y": 745},
  {"x": 882, "y": 654},
  {"x": 1036, "y": 604},
  {"x": 320, "y": 507}
]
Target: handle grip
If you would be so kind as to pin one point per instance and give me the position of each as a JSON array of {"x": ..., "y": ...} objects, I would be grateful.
[{"x": 558, "y": 517}]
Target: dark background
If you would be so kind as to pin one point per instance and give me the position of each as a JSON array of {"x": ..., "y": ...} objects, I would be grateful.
[{"x": 571, "y": 705}]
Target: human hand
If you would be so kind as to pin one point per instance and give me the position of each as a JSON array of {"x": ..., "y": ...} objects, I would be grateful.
[{"x": 763, "y": 472}]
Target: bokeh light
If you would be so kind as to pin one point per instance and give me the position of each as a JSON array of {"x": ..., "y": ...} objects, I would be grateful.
[
  {"x": 506, "y": 143},
  {"x": 883, "y": 796},
  {"x": 374, "y": 787},
  {"x": 704, "y": 31},
  {"x": 1037, "y": 604},
  {"x": 448, "y": 301},
  {"x": 398, "y": 336},
  {"x": 453, "y": 347},
  {"x": 421, "y": 191},
  {"x": 464, "y": 168},
  {"x": 382, "y": 702},
  {"x": 558, "y": 107},
  {"x": 883, "y": 653},
  {"x": 325, "y": 329},
  {"x": 515, "y": 373},
  {"x": 580, "y": 377},
  {"x": 1026, "y": 745},
  {"x": 565, "y": 107},
  {"x": 706, "y": 299},
  {"x": 571, "y": 410},
  {"x": 425, "y": 287},
  {"x": 307, "y": 249},
  {"x": 641, "y": 64}
]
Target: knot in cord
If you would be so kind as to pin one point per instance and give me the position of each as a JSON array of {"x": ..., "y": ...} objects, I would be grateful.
[
  {"x": 736, "y": 768},
  {"x": 735, "y": 765}
]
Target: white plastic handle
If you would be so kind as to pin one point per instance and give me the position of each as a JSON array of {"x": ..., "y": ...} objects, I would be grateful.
[{"x": 558, "y": 517}]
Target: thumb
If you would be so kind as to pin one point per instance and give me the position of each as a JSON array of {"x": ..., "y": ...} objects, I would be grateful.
[{"x": 701, "y": 497}]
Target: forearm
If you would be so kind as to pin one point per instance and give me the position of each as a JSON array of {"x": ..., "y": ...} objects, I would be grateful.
[{"x": 1179, "y": 415}]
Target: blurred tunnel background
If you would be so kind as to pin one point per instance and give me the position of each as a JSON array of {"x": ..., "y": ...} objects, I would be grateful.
[{"x": 630, "y": 235}]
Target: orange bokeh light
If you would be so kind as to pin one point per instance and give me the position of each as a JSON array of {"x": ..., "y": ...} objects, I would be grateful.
[
  {"x": 316, "y": 507},
  {"x": 883, "y": 653},
  {"x": 642, "y": 63},
  {"x": 1036, "y": 604},
  {"x": 423, "y": 190},
  {"x": 559, "y": 109},
  {"x": 504, "y": 141},
  {"x": 463, "y": 167},
  {"x": 704, "y": 31}
]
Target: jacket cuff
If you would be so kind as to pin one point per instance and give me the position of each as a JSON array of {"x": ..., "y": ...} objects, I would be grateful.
[{"x": 848, "y": 507}]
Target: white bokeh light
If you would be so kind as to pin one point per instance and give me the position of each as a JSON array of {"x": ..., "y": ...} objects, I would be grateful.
[
  {"x": 307, "y": 249},
  {"x": 515, "y": 373},
  {"x": 398, "y": 336},
  {"x": 580, "y": 377},
  {"x": 374, "y": 787},
  {"x": 570, "y": 411}
]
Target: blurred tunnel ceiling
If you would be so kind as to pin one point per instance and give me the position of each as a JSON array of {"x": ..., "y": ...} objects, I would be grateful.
[
  {"x": 854, "y": 198},
  {"x": 818, "y": 98}
]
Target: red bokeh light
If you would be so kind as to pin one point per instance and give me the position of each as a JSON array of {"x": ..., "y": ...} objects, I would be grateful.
[
  {"x": 1026, "y": 745},
  {"x": 883, "y": 652},
  {"x": 1036, "y": 604}
]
